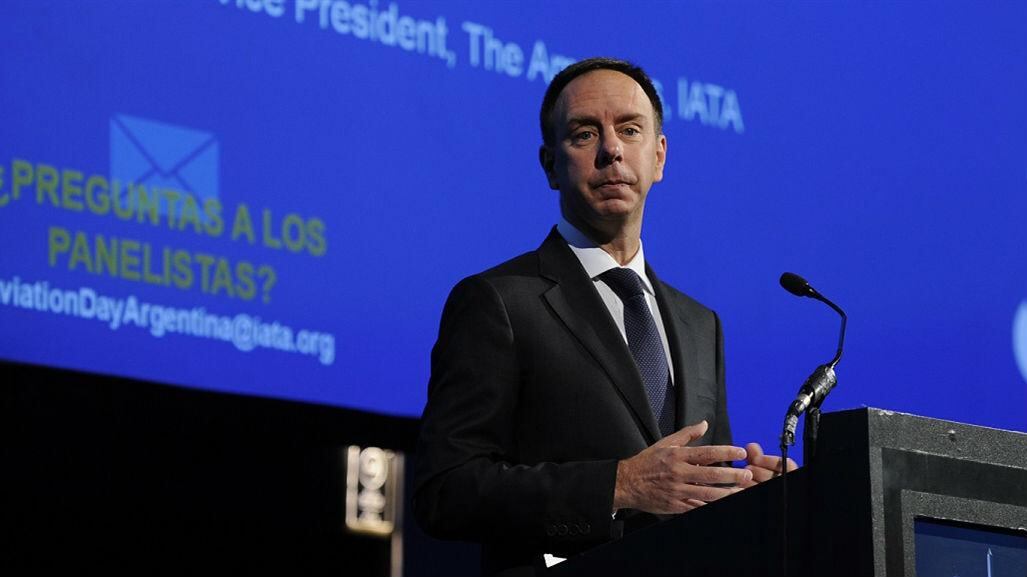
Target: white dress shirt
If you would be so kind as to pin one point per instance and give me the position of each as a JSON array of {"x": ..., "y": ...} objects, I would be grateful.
[{"x": 596, "y": 261}]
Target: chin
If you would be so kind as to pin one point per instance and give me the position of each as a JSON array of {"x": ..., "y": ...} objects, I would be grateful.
[{"x": 614, "y": 209}]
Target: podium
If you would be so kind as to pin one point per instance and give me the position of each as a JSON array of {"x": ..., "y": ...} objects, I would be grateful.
[{"x": 881, "y": 486}]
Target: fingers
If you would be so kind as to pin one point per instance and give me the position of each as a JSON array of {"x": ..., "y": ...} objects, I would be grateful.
[
  {"x": 685, "y": 492},
  {"x": 753, "y": 451},
  {"x": 760, "y": 474},
  {"x": 764, "y": 467},
  {"x": 672, "y": 477},
  {"x": 752, "y": 482},
  {"x": 710, "y": 454},
  {"x": 690, "y": 504},
  {"x": 682, "y": 506},
  {"x": 765, "y": 462},
  {"x": 771, "y": 463},
  {"x": 688, "y": 473},
  {"x": 684, "y": 436},
  {"x": 705, "y": 493},
  {"x": 695, "y": 503}
]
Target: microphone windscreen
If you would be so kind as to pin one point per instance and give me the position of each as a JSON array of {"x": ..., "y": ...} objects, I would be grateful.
[{"x": 795, "y": 284}]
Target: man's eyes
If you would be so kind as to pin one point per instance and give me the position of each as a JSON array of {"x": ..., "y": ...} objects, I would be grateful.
[{"x": 589, "y": 135}]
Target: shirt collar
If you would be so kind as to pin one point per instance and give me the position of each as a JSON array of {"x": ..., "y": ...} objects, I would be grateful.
[{"x": 595, "y": 260}]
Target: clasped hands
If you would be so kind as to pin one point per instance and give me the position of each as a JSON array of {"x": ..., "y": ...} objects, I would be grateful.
[{"x": 671, "y": 477}]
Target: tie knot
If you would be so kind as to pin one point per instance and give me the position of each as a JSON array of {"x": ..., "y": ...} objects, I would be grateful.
[{"x": 624, "y": 281}]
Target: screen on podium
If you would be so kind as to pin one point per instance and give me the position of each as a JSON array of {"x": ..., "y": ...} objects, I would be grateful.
[
  {"x": 944, "y": 549},
  {"x": 274, "y": 197}
]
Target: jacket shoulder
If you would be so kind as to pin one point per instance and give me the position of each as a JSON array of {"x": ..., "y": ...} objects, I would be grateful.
[
  {"x": 522, "y": 265},
  {"x": 517, "y": 274}
]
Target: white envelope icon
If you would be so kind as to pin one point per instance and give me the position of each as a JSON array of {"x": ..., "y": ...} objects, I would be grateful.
[{"x": 161, "y": 155}]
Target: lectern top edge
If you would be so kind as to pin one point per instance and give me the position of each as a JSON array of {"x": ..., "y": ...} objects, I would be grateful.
[{"x": 880, "y": 428}]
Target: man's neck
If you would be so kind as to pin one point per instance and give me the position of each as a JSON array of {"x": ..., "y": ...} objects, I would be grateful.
[{"x": 619, "y": 239}]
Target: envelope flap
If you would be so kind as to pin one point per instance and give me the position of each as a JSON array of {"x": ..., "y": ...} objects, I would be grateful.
[{"x": 166, "y": 145}]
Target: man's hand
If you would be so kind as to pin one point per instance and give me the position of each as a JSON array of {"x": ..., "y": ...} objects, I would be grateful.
[
  {"x": 763, "y": 467},
  {"x": 670, "y": 477}
]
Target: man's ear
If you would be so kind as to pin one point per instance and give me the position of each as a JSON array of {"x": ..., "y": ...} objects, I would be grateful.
[
  {"x": 661, "y": 157},
  {"x": 547, "y": 160}
]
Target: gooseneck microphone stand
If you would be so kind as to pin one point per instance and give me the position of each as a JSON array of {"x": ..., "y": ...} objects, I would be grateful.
[{"x": 807, "y": 402}]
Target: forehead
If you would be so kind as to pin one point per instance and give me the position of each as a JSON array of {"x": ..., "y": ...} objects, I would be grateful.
[{"x": 602, "y": 93}]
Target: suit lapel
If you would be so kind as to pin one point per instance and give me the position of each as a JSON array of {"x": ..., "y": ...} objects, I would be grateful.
[
  {"x": 574, "y": 299},
  {"x": 680, "y": 338}
]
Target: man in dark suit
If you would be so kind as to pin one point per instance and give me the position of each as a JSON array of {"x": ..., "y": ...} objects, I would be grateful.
[{"x": 572, "y": 392}]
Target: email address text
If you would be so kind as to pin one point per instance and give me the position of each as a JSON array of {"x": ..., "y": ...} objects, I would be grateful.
[{"x": 247, "y": 333}]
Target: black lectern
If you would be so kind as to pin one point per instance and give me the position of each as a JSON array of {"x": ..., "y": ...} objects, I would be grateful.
[{"x": 879, "y": 480}]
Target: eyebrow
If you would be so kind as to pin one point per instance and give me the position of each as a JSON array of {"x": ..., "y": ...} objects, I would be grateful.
[{"x": 586, "y": 120}]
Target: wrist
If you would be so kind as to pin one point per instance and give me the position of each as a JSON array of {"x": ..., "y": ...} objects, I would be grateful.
[{"x": 622, "y": 486}]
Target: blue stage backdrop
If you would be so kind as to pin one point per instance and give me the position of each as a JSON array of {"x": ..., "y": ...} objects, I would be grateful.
[{"x": 274, "y": 197}]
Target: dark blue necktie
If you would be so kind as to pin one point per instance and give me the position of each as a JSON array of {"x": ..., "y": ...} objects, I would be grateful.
[{"x": 645, "y": 344}]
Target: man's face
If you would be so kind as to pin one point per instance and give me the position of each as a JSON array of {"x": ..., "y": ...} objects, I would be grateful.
[{"x": 606, "y": 152}]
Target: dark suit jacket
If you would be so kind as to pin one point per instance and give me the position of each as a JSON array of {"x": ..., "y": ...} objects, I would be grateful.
[{"x": 534, "y": 397}]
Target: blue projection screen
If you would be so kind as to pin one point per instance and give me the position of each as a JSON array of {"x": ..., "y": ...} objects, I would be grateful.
[{"x": 274, "y": 197}]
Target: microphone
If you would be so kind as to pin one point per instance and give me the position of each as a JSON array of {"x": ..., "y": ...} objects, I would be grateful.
[
  {"x": 811, "y": 394},
  {"x": 796, "y": 285},
  {"x": 819, "y": 384},
  {"x": 799, "y": 287}
]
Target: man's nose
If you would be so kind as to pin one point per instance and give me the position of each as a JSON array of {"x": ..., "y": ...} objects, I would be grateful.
[{"x": 609, "y": 149}]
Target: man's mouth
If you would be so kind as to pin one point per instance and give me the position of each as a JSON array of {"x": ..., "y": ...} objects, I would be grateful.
[{"x": 612, "y": 183}]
